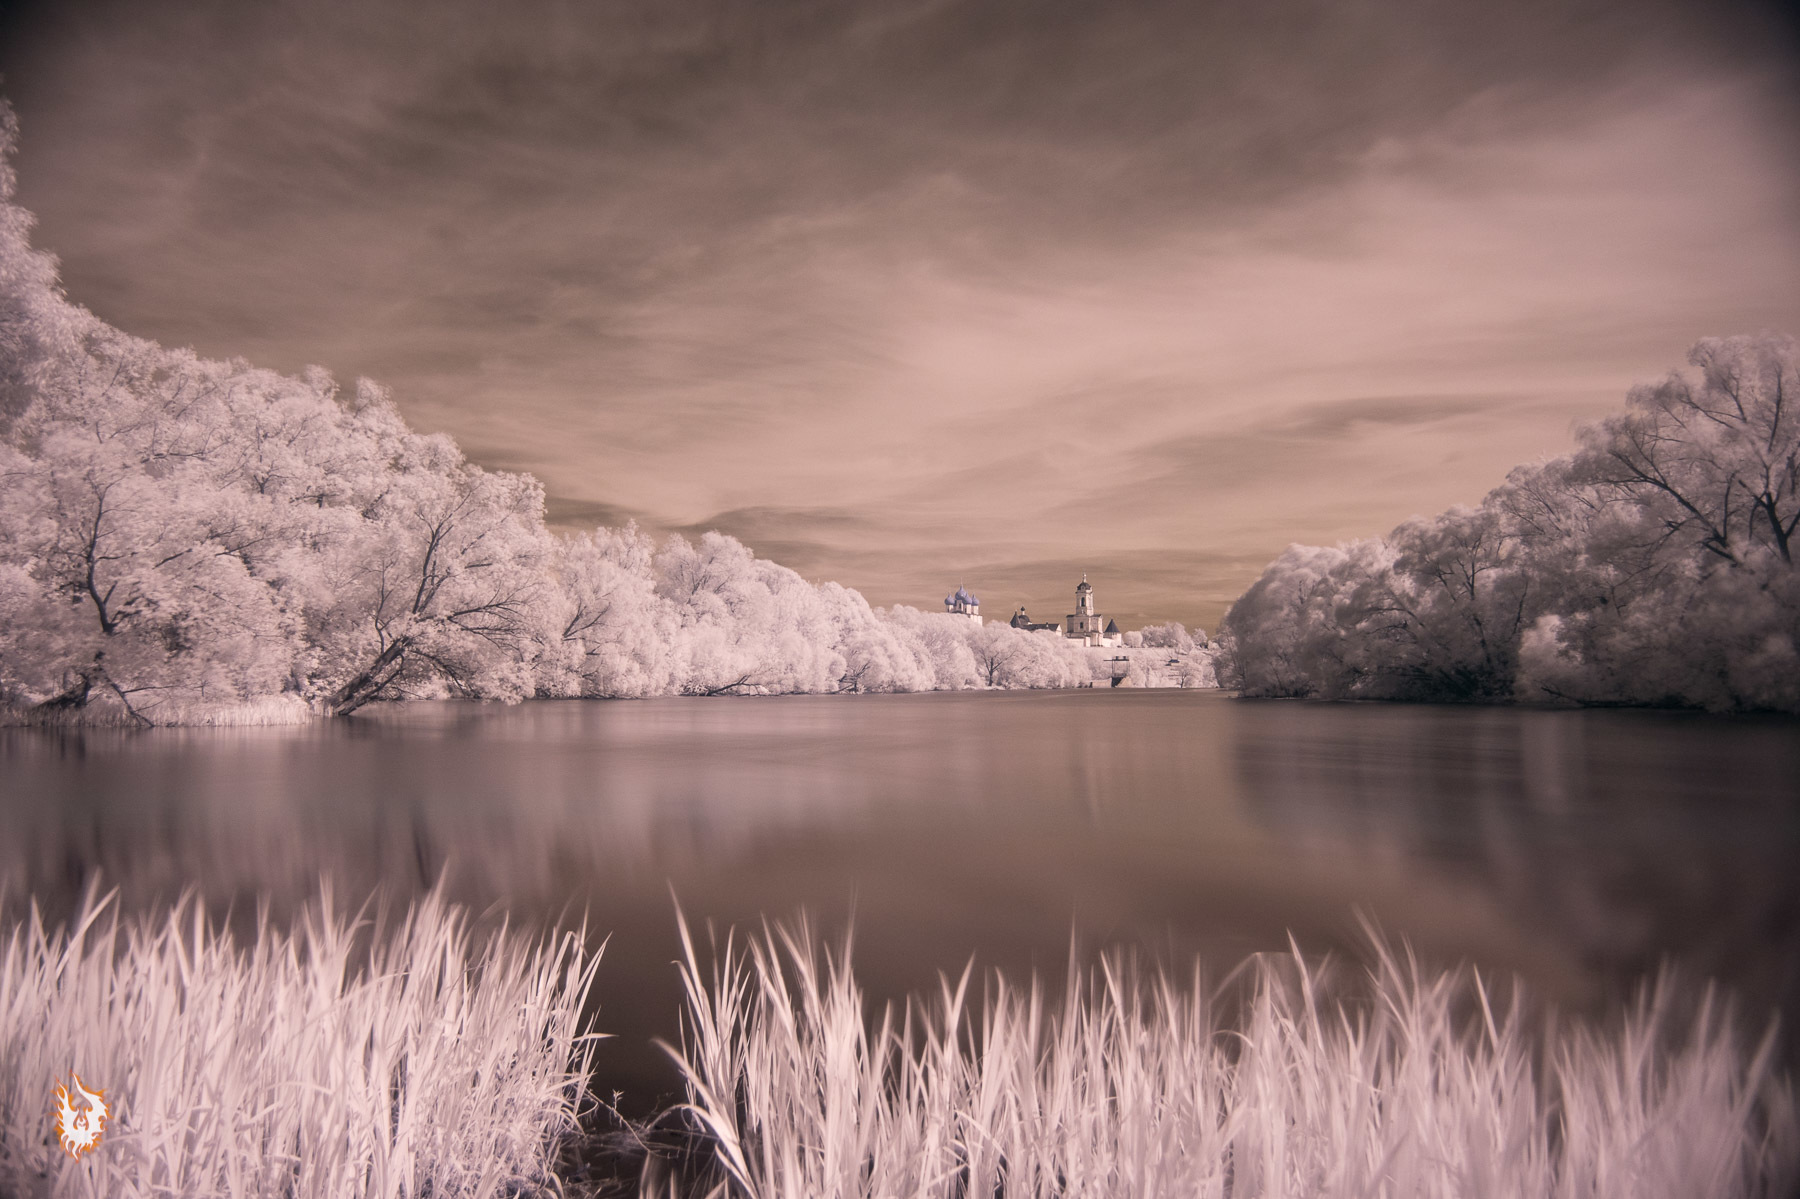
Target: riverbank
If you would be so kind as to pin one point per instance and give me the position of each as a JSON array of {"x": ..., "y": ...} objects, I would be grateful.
[
  {"x": 100, "y": 714},
  {"x": 1152, "y": 669}
]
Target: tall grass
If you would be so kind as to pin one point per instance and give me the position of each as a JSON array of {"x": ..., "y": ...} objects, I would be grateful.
[
  {"x": 349, "y": 1057},
  {"x": 283, "y": 709},
  {"x": 397, "y": 1058},
  {"x": 1412, "y": 1083}
]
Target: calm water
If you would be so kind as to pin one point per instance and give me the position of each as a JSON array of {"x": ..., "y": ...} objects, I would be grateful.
[{"x": 1577, "y": 848}]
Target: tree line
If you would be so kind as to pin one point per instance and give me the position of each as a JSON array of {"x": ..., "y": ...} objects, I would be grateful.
[
  {"x": 1653, "y": 566},
  {"x": 180, "y": 537}
]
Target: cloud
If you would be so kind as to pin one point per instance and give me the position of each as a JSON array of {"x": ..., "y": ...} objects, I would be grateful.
[
  {"x": 904, "y": 291},
  {"x": 582, "y": 515}
]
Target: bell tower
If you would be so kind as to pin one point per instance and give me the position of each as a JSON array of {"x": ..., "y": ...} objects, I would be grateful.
[{"x": 1084, "y": 623}]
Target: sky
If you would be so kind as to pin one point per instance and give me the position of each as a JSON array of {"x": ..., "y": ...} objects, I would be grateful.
[{"x": 912, "y": 294}]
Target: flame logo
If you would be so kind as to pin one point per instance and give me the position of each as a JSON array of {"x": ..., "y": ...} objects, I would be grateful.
[{"x": 79, "y": 1131}]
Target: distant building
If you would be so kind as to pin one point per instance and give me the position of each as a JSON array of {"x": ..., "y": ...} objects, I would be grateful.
[
  {"x": 963, "y": 604},
  {"x": 1022, "y": 621},
  {"x": 1086, "y": 625}
]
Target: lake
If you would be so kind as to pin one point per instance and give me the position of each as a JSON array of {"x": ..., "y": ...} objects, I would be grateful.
[{"x": 1578, "y": 849}]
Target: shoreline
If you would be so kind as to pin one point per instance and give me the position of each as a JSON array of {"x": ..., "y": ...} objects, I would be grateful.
[{"x": 293, "y": 712}]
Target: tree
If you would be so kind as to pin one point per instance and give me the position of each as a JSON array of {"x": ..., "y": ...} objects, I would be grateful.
[
  {"x": 1654, "y": 566},
  {"x": 942, "y": 643},
  {"x": 29, "y": 298},
  {"x": 1169, "y": 635},
  {"x": 1281, "y": 636},
  {"x": 1715, "y": 460},
  {"x": 614, "y": 629},
  {"x": 1450, "y": 610},
  {"x": 144, "y": 592},
  {"x": 1666, "y": 543},
  {"x": 448, "y": 586},
  {"x": 993, "y": 646}
]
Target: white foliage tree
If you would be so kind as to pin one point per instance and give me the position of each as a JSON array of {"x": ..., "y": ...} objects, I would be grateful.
[
  {"x": 138, "y": 554},
  {"x": 614, "y": 630},
  {"x": 445, "y": 587},
  {"x": 1693, "y": 492},
  {"x": 944, "y": 642},
  {"x": 176, "y": 531},
  {"x": 1653, "y": 566}
]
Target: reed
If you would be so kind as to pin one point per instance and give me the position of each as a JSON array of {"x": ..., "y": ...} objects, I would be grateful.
[
  {"x": 262, "y": 710},
  {"x": 356, "y": 1055},
  {"x": 359, "y": 1055},
  {"x": 1408, "y": 1083}
]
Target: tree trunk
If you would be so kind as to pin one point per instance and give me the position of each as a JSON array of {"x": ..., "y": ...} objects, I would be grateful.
[
  {"x": 370, "y": 681},
  {"x": 75, "y": 695},
  {"x": 80, "y": 690}
]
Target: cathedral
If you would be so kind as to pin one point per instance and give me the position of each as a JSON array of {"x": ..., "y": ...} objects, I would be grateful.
[{"x": 963, "y": 604}]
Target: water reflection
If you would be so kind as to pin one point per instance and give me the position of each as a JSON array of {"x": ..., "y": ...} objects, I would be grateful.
[
  {"x": 1625, "y": 837},
  {"x": 1575, "y": 847}
]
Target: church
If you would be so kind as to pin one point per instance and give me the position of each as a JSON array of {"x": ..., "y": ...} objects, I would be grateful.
[
  {"x": 1084, "y": 624},
  {"x": 963, "y": 604}
]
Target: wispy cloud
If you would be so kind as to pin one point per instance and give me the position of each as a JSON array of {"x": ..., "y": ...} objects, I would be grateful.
[{"x": 915, "y": 291}]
